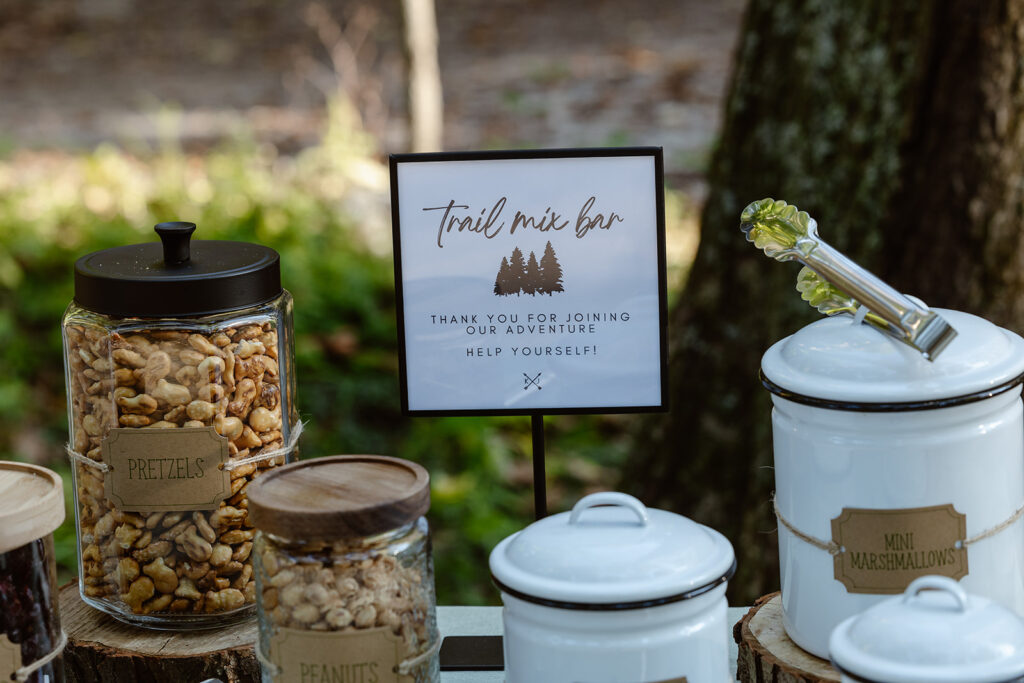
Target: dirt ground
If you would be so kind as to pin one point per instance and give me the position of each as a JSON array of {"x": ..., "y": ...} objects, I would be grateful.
[{"x": 516, "y": 73}]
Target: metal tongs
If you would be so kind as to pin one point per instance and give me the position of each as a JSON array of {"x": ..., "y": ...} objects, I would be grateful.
[{"x": 834, "y": 284}]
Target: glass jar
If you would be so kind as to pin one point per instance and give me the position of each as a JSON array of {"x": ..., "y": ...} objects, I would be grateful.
[
  {"x": 31, "y": 639},
  {"x": 344, "y": 573},
  {"x": 179, "y": 369}
]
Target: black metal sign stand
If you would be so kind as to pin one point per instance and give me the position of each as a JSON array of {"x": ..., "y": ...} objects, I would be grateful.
[{"x": 540, "y": 486}]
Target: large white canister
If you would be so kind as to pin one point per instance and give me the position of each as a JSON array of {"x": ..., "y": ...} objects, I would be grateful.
[
  {"x": 889, "y": 467},
  {"x": 614, "y": 592}
]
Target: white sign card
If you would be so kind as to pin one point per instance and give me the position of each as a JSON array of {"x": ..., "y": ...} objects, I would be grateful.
[{"x": 530, "y": 282}]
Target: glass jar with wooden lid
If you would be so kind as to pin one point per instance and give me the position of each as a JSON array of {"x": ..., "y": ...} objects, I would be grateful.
[
  {"x": 344, "y": 574},
  {"x": 31, "y": 639}
]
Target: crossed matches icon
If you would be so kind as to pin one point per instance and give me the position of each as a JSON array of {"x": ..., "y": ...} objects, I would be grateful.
[{"x": 535, "y": 381}]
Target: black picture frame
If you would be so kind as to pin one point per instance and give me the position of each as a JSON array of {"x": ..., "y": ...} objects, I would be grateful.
[{"x": 657, "y": 155}]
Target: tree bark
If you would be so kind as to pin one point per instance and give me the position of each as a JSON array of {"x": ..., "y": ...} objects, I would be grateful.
[
  {"x": 765, "y": 652},
  {"x": 954, "y": 229},
  {"x": 898, "y": 126}
]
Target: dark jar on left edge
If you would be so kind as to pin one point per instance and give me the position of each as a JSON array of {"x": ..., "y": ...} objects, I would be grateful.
[{"x": 31, "y": 639}]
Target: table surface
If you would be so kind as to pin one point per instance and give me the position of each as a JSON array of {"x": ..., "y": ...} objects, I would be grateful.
[{"x": 486, "y": 621}]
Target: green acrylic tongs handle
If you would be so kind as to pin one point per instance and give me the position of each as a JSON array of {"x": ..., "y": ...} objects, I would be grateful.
[{"x": 834, "y": 284}]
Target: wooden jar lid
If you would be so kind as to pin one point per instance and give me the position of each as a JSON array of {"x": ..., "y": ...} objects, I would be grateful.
[
  {"x": 31, "y": 503},
  {"x": 337, "y": 497}
]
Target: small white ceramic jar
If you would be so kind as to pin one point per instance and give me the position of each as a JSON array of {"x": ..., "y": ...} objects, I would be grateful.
[
  {"x": 614, "y": 592},
  {"x": 933, "y": 633},
  {"x": 889, "y": 467}
]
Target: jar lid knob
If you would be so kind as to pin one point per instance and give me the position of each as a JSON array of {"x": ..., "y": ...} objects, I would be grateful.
[{"x": 175, "y": 237}]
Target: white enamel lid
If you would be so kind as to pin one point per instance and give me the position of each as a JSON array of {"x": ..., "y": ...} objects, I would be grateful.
[
  {"x": 838, "y": 359},
  {"x": 933, "y": 633},
  {"x": 612, "y": 555}
]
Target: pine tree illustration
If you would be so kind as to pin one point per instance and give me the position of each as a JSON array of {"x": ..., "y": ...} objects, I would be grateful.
[
  {"x": 501, "y": 283},
  {"x": 532, "y": 281},
  {"x": 517, "y": 272},
  {"x": 550, "y": 272}
]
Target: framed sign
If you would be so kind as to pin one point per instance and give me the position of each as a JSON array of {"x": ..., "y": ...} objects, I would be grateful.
[{"x": 530, "y": 282}]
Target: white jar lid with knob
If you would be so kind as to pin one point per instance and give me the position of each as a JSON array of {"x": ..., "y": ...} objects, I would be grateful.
[
  {"x": 612, "y": 550},
  {"x": 934, "y": 633}
]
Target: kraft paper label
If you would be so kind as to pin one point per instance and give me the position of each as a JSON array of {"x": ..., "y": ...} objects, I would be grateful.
[
  {"x": 163, "y": 470},
  {"x": 882, "y": 551},
  {"x": 361, "y": 656},
  {"x": 10, "y": 658}
]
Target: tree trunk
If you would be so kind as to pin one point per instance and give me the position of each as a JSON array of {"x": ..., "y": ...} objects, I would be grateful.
[
  {"x": 954, "y": 230},
  {"x": 898, "y": 127},
  {"x": 426, "y": 105}
]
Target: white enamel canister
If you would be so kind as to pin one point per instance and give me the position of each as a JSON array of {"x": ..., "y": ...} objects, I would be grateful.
[
  {"x": 889, "y": 467},
  {"x": 934, "y": 633},
  {"x": 614, "y": 592}
]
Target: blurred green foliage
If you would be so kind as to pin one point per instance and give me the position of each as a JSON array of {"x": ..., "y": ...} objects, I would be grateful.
[{"x": 325, "y": 210}]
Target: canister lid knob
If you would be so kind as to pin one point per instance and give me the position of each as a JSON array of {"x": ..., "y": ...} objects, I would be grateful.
[{"x": 175, "y": 236}]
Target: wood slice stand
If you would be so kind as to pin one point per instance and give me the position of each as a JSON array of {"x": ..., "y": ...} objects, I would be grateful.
[
  {"x": 767, "y": 654},
  {"x": 101, "y": 649}
]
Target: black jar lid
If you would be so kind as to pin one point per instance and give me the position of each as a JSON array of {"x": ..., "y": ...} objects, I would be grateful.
[{"x": 177, "y": 277}]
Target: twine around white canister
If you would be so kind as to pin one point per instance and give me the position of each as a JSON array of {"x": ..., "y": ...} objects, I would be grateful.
[{"x": 833, "y": 548}]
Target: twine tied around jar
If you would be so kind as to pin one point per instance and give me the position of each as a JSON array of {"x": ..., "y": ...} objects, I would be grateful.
[
  {"x": 21, "y": 675},
  {"x": 286, "y": 449},
  {"x": 404, "y": 668},
  {"x": 833, "y": 548}
]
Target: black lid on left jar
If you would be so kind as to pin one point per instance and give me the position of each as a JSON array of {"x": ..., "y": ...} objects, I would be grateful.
[{"x": 177, "y": 277}]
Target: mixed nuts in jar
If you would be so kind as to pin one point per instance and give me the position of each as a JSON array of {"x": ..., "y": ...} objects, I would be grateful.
[
  {"x": 344, "y": 575},
  {"x": 180, "y": 393}
]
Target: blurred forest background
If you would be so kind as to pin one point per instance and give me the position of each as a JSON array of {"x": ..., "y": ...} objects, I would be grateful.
[
  {"x": 899, "y": 127},
  {"x": 271, "y": 122}
]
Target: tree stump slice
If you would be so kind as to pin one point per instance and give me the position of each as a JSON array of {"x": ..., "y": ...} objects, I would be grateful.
[
  {"x": 101, "y": 649},
  {"x": 767, "y": 654}
]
